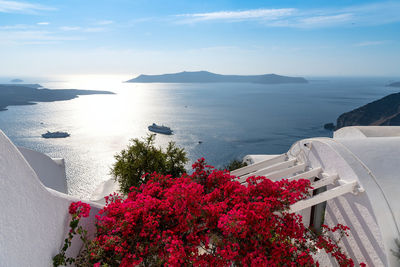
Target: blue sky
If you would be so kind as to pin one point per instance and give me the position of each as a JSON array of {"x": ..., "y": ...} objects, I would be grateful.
[{"x": 311, "y": 38}]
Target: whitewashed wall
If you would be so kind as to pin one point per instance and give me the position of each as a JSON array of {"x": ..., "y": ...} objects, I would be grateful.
[
  {"x": 372, "y": 228},
  {"x": 51, "y": 172},
  {"x": 33, "y": 219}
]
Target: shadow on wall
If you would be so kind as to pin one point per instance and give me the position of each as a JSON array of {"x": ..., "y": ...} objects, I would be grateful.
[{"x": 365, "y": 242}]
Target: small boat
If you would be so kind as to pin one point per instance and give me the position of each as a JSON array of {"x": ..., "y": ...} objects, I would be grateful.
[
  {"x": 55, "y": 134},
  {"x": 160, "y": 129}
]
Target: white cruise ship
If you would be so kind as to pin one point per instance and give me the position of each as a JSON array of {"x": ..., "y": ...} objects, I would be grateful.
[
  {"x": 55, "y": 134},
  {"x": 160, "y": 129}
]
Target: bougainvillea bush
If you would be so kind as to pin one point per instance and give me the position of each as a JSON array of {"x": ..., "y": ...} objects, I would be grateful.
[{"x": 208, "y": 219}]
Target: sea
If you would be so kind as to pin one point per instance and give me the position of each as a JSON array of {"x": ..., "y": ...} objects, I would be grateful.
[{"x": 217, "y": 121}]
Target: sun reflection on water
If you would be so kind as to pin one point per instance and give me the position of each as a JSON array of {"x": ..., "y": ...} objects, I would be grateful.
[
  {"x": 231, "y": 120},
  {"x": 102, "y": 125}
]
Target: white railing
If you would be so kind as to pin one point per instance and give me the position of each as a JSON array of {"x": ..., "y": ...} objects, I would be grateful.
[
  {"x": 307, "y": 175},
  {"x": 259, "y": 165},
  {"x": 325, "y": 196},
  {"x": 273, "y": 168},
  {"x": 328, "y": 179}
]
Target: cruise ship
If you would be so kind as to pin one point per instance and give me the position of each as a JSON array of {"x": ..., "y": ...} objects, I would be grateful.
[
  {"x": 160, "y": 129},
  {"x": 55, "y": 134}
]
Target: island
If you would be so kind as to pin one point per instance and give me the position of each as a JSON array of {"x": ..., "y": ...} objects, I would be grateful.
[
  {"x": 395, "y": 84},
  {"x": 209, "y": 77},
  {"x": 17, "y": 81},
  {"x": 385, "y": 111},
  {"x": 30, "y": 94}
]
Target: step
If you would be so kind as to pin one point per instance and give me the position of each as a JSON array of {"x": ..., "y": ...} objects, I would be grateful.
[
  {"x": 280, "y": 174},
  {"x": 277, "y": 167},
  {"x": 259, "y": 165},
  {"x": 328, "y": 179},
  {"x": 307, "y": 175},
  {"x": 325, "y": 196}
]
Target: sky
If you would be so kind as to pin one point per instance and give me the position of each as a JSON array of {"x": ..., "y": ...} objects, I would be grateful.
[{"x": 304, "y": 38}]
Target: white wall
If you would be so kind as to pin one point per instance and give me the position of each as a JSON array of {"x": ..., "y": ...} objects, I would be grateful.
[
  {"x": 368, "y": 241},
  {"x": 50, "y": 172},
  {"x": 357, "y": 132},
  {"x": 104, "y": 189},
  {"x": 34, "y": 219}
]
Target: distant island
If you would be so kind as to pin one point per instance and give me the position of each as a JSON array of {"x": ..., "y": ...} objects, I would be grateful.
[
  {"x": 29, "y": 94},
  {"x": 209, "y": 77},
  {"x": 17, "y": 81},
  {"x": 385, "y": 111},
  {"x": 395, "y": 84}
]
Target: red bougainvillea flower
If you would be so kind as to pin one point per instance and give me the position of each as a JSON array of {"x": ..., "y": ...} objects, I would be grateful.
[
  {"x": 208, "y": 218},
  {"x": 80, "y": 209}
]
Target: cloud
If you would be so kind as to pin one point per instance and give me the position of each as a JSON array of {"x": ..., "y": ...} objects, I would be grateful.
[
  {"x": 370, "y": 43},
  {"x": 325, "y": 20},
  {"x": 70, "y": 28},
  {"x": 265, "y": 14},
  {"x": 375, "y": 13},
  {"x": 43, "y": 23},
  {"x": 359, "y": 15},
  {"x": 104, "y": 22},
  {"x": 94, "y": 29},
  {"x": 23, "y": 37},
  {"x": 34, "y": 34},
  {"x": 82, "y": 29},
  {"x": 21, "y": 7},
  {"x": 16, "y": 27}
]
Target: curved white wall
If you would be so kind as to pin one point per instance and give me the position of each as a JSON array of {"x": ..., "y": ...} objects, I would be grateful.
[
  {"x": 367, "y": 131},
  {"x": 34, "y": 219},
  {"x": 50, "y": 171},
  {"x": 106, "y": 188},
  {"x": 367, "y": 214}
]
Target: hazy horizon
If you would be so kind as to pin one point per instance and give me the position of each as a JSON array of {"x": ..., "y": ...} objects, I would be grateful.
[
  {"x": 74, "y": 80},
  {"x": 307, "y": 38}
]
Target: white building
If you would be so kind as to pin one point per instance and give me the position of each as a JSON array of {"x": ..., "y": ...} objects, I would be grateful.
[{"x": 355, "y": 176}]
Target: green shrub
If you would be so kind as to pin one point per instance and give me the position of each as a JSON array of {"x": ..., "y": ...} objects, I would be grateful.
[
  {"x": 142, "y": 157},
  {"x": 235, "y": 164}
]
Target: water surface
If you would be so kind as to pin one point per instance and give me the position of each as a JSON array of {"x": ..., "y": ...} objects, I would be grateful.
[{"x": 231, "y": 120}]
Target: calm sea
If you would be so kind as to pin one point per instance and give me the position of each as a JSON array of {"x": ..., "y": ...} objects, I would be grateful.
[{"x": 231, "y": 120}]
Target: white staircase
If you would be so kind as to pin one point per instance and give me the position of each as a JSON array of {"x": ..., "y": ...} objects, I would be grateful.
[
  {"x": 284, "y": 167},
  {"x": 276, "y": 168}
]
